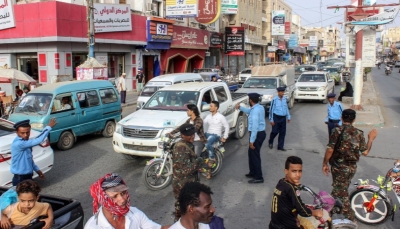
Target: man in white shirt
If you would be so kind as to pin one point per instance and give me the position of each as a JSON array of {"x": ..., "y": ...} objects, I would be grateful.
[
  {"x": 111, "y": 206},
  {"x": 196, "y": 206},
  {"x": 65, "y": 105},
  {"x": 122, "y": 87},
  {"x": 215, "y": 122}
]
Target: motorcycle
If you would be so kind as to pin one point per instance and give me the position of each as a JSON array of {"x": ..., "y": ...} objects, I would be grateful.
[
  {"x": 371, "y": 203},
  {"x": 157, "y": 173},
  {"x": 388, "y": 71},
  {"x": 327, "y": 203}
]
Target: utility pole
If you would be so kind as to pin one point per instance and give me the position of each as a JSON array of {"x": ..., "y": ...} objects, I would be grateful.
[
  {"x": 90, "y": 27},
  {"x": 358, "y": 14}
]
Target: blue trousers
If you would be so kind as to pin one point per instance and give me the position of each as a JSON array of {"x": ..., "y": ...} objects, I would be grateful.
[
  {"x": 211, "y": 139},
  {"x": 254, "y": 156},
  {"x": 331, "y": 126},
  {"x": 278, "y": 128},
  {"x": 123, "y": 96},
  {"x": 19, "y": 178}
]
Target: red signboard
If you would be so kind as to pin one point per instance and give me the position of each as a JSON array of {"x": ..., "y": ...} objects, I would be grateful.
[
  {"x": 185, "y": 37},
  {"x": 68, "y": 60},
  {"x": 209, "y": 11},
  {"x": 42, "y": 59},
  {"x": 287, "y": 27},
  {"x": 281, "y": 45},
  {"x": 43, "y": 76}
]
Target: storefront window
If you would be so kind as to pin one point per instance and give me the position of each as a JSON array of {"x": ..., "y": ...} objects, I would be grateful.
[
  {"x": 116, "y": 64},
  {"x": 28, "y": 63},
  {"x": 77, "y": 59}
]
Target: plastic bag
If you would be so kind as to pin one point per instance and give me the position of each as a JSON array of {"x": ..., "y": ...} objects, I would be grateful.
[
  {"x": 327, "y": 199},
  {"x": 8, "y": 198}
]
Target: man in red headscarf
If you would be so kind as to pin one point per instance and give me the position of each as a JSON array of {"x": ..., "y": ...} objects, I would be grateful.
[{"x": 111, "y": 206}]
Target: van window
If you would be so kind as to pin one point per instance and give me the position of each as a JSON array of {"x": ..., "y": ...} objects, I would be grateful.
[
  {"x": 108, "y": 96},
  {"x": 88, "y": 99},
  {"x": 62, "y": 102},
  {"x": 207, "y": 97},
  {"x": 221, "y": 94}
]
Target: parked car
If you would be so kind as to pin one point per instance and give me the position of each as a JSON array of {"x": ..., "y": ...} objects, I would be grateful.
[
  {"x": 334, "y": 73},
  {"x": 320, "y": 65},
  {"x": 67, "y": 213},
  {"x": 339, "y": 65},
  {"x": 397, "y": 64},
  {"x": 90, "y": 106},
  {"x": 304, "y": 68},
  {"x": 314, "y": 86},
  {"x": 244, "y": 74},
  {"x": 161, "y": 81},
  {"x": 42, "y": 154},
  {"x": 139, "y": 134},
  {"x": 200, "y": 70}
]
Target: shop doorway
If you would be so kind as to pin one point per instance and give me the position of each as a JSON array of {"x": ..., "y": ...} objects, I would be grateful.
[
  {"x": 28, "y": 63},
  {"x": 176, "y": 64},
  {"x": 116, "y": 64},
  {"x": 194, "y": 62},
  {"x": 148, "y": 67}
]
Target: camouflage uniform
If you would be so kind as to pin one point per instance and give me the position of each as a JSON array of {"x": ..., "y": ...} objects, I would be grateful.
[
  {"x": 344, "y": 162},
  {"x": 185, "y": 167}
]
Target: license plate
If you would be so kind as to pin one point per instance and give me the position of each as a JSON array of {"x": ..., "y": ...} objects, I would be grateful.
[{"x": 221, "y": 149}]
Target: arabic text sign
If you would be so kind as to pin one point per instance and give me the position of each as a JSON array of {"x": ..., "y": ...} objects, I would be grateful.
[
  {"x": 229, "y": 6},
  {"x": 278, "y": 22},
  {"x": 379, "y": 19},
  {"x": 184, "y": 37},
  {"x": 368, "y": 48},
  {"x": 181, "y": 8},
  {"x": 6, "y": 15},
  {"x": 112, "y": 18},
  {"x": 209, "y": 11},
  {"x": 234, "y": 41},
  {"x": 313, "y": 41}
]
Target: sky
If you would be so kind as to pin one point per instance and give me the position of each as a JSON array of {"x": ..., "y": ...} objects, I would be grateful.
[{"x": 311, "y": 16}]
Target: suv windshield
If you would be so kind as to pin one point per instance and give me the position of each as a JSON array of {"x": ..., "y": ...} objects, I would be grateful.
[
  {"x": 6, "y": 128},
  {"x": 172, "y": 100},
  {"x": 149, "y": 91},
  {"x": 260, "y": 83},
  {"x": 246, "y": 71},
  {"x": 312, "y": 78},
  {"x": 35, "y": 103}
]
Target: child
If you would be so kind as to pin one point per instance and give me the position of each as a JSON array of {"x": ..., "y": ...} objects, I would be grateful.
[{"x": 27, "y": 207}]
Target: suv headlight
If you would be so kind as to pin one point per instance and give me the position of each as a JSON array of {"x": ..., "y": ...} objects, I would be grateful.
[
  {"x": 118, "y": 128},
  {"x": 166, "y": 131},
  {"x": 322, "y": 88},
  {"x": 37, "y": 126},
  {"x": 267, "y": 97}
]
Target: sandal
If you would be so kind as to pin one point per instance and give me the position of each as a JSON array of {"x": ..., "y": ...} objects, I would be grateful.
[
  {"x": 208, "y": 174},
  {"x": 211, "y": 163}
]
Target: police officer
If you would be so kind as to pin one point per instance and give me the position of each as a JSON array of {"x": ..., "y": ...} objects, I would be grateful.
[
  {"x": 346, "y": 143},
  {"x": 257, "y": 137},
  {"x": 335, "y": 110},
  {"x": 186, "y": 163},
  {"x": 278, "y": 113},
  {"x": 22, "y": 164}
]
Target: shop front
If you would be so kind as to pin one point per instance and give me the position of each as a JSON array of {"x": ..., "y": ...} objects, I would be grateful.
[
  {"x": 281, "y": 52},
  {"x": 187, "y": 52},
  {"x": 213, "y": 59}
]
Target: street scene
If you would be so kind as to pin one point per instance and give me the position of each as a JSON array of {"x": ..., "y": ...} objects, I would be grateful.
[{"x": 199, "y": 114}]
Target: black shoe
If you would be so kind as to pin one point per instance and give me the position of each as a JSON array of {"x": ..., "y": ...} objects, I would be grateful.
[
  {"x": 254, "y": 181},
  {"x": 282, "y": 149},
  {"x": 249, "y": 175},
  {"x": 271, "y": 146}
]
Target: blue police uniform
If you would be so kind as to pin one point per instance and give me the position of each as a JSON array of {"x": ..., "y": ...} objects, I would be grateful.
[
  {"x": 278, "y": 113},
  {"x": 257, "y": 136},
  {"x": 22, "y": 164},
  {"x": 334, "y": 114}
]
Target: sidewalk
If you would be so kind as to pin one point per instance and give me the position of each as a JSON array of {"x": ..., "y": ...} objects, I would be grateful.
[
  {"x": 131, "y": 98},
  {"x": 371, "y": 115}
]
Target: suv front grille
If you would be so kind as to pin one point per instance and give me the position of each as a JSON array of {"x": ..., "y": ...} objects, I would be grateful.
[
  {"x": 139, "y": 133},
  {"x": 308, "y": 88}
]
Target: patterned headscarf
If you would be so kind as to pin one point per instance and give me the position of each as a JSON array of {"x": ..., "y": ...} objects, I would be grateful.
[{"x": 98, "y": 192}]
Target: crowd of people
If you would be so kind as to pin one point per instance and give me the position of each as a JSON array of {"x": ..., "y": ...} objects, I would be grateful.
[{"x": 193, "y": 202}]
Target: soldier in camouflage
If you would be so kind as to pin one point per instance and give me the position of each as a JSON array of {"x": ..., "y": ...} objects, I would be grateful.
[
  {"x": 186, "y": 164},
  {"x": 343, "y": 151}
]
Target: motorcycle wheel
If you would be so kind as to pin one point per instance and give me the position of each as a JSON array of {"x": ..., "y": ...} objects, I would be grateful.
[
  {"x": 150, "y": 179},
  {"x": 342, "y": 224},
  {"x": 218, "y": 158},
  {"x": 381, "y": 210}
]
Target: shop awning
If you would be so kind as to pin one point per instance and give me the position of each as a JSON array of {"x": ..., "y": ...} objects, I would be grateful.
[{"x": 299, "y": 49}]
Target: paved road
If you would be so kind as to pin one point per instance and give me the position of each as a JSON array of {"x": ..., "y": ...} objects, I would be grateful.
[{"x": 242, "y": 205}]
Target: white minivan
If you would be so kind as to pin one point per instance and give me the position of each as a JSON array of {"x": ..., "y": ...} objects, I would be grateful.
[{"x": 164, "y": 81}]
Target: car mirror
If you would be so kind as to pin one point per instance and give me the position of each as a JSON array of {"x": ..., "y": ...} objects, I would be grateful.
[{"x": 205, "y": 107}]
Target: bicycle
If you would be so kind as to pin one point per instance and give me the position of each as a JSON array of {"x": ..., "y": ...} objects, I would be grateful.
[{"x": 372, "y": 204}]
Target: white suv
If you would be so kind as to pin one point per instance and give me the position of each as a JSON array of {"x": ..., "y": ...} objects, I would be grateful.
[{"x": 314, "y": 86}]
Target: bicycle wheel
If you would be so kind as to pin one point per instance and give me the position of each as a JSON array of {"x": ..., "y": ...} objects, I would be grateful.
[
  {"x": 149, "y": 176},
  {"x": 380, "y": 211}
]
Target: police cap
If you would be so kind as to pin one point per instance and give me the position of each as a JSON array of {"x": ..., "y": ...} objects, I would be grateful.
[
  {"x": 187, "y": 129},
  {"x": 253, "y": 95},
  {"x": 281, "y": 89},
  {"x": 23, "y": 123},
  {"x": 331, "y": 95}
]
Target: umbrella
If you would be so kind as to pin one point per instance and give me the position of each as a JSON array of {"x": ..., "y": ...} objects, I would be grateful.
[{"x": 6, "y": 75}]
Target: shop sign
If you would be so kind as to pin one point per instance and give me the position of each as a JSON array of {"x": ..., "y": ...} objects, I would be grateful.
[
  {"x": 234, "y": 41},
  {"x": 5, "y": 59},
  {"x": 281, "y": 45},
  {"x": 209, "y": 11},
  {"x": 181, "y": 8},
  {"x": 102, "y": 60},
  {"x": 369, "y": 48},
  {"x": 6, "y": 15},
  {"x": 229, "y": 6},
  {"x": 287, "y": 27},
  {"x": 278, "y": 22},
  {"x": 313, "y": 41},
  {"x": 293, "y": 41},
  {"x": 112, "y": 18},
  {"x": 320, "y": 43},
  {"x": 158, "y": 32},
  {"x": 184, "y": 37},
  {"x": 271, "y": 55},
  {"x": 331, "y": 48},
  {"x": 216, "y": 40},
  {"x": 271, "y": 48}
]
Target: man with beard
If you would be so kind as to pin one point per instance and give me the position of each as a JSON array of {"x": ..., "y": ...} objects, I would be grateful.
[
  {"x": 115, "y": 211},
  {"x": 196, "y": 206}
]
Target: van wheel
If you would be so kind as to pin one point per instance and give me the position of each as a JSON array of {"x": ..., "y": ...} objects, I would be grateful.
[
  {"x": 109, "y": 129},
  {"x": 240, "y": 129},
  {"x": 66, "y": 141}
]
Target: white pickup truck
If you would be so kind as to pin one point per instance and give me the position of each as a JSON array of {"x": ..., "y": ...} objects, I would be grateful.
[
  {"x": 314, "y": 86},
  {"x": 139, "y": 134}
]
